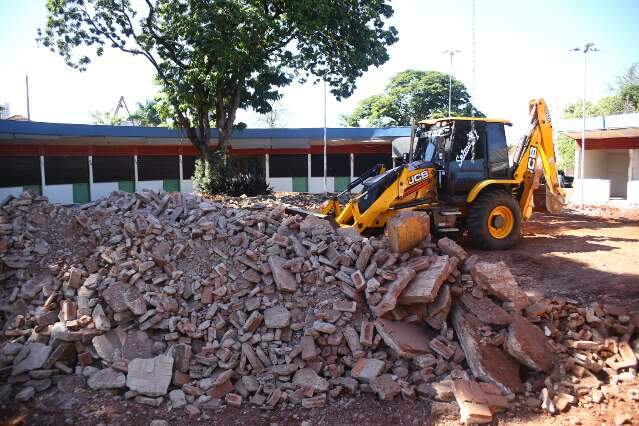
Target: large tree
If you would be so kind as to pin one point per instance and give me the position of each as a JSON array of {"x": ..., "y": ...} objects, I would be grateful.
[
  {"x": 412, "y": 94},
  {"x": 213, "y": 57}
]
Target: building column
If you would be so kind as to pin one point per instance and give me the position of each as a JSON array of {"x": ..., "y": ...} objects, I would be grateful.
[
  {"x": 308, "y": 171},
  {"x": 181, "y": 174},
  {"x": 91, "y": 190},
  {"x": 135, "y": 173},
  {"x": 266, "y": 166},
  {"x": 42, "y": 179},
  {"x": 352, "y": 166}
]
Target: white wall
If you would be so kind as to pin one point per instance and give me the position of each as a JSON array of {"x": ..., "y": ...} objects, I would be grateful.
[
  {"x": 633, "y": 191},
  {"x": 596, "y": 191},
  {"x": 62, "y": 194},
  {"x": 284, "y": 184},
  {"x": 186, "y": 186},
  {"x": 14, "y": 190},
  {"x": 595, "y": 166},
  {"x": 102, "y": 189},
  {"x": 633, "y": 176},
  {"x": 617, "y": 164},
  {"x": 316, "y": 184}
]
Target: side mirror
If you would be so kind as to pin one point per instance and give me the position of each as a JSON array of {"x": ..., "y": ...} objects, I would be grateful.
[{"x": 405, "y": 158}]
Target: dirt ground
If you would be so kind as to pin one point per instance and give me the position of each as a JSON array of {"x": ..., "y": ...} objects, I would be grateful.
[{"x": 587, "y": 255}]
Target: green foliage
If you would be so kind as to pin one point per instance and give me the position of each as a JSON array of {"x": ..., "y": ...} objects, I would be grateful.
[
  {"x": 565, "y": 152},
  {"x": 574, "y": 109},
  {"x": 413, "y": 94},
  {"x": 625, "y": 98},
  {"x": 209, "y": 178},
  {"x": 149, "y": 114},
  {"x": 247, "y": 183},
  {"x": 243, "y": 176},
  {"x": 106, "y": 118},
  {"x": 628, "y": 88},
  {"x": 212, "y": 57}
]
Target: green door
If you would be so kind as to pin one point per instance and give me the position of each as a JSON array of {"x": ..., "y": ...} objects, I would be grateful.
[
  {"x": 81, "y": 193},
  {"x": 300, "y": 184},
  {"x": 126, "y": 186},
  {"x": 341, "y": 182},
  {"x": 171, "y": 185}
]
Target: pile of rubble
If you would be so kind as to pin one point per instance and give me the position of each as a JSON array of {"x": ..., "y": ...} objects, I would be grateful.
[{"x": 166, "y": 297}]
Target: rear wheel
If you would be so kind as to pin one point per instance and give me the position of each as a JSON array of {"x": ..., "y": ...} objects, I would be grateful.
[{"x": 494, "y": 221}]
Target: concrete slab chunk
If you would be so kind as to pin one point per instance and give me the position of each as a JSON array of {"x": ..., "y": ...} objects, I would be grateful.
[
  {"x": 137, "y": 344},
  {"x": 451, "y": 248},
  {"x": 309, "y": 378},
  {"x": 107, "y": 378},
  {"x": 117, "y": 295},
  {"x": 38, "y": 355},
  {"x": 277, "y": 317},
  {"x": 150, "y": 376},
  {"x": 366, "y": 369},
  {"x": 284, "y": 279},
  {"x": 425, "y": 286},
  {"x": 487, "y": 362},
  {"x": 527, "y": 344},
  {"x": 485, "y": 310},
  {"x": 497, "y": 279},
  {"x": 393, "y": 291},
  {"x": 407, "y": 340},
  {"x": 106, "y": 344}
]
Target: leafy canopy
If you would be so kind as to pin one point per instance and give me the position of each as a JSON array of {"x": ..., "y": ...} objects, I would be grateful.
[
  {"x": 212, "y": 57},
  {"x": 625, "y": 98},
  {"x": 412, "y": 94}
]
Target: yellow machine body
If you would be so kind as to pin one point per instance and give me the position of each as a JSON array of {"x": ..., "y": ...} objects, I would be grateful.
[
  {"x": 414, "y": 186},
  {"x": 410, "y": 186}
]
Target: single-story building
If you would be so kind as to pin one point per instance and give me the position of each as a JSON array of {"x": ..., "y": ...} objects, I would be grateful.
[
  {"x": 611, "y": 157},
  {"x": 76, "y": 163}
]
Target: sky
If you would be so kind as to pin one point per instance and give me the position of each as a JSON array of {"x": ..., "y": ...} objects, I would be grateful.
[{"x": 521, "y": 52}]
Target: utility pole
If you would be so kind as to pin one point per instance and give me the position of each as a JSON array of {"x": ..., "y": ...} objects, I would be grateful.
[
  {"x": 28, "y": 104},
  {"x": 588, "y": 47},
  {"x": 452, "y": 53},
  {"x": 325, "y": 142}
]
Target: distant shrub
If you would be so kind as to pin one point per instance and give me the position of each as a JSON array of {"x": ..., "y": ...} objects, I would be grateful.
[
  {"x": 249, "y": 184},
  {"x": 243, "y": 175}
]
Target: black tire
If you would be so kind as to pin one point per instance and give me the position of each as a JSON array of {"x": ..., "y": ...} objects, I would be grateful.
[{"x": 479, "y": 213}]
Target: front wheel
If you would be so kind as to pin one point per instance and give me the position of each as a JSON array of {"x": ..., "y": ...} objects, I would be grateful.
[{"x": 494, "y": 221}]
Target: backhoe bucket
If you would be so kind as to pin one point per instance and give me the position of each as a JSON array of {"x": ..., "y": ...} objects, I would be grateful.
[{"x": 554, "y": 202}]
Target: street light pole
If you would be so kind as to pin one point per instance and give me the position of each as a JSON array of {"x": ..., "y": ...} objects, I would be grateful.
[
  {"x": 325, "y": 142},
  {"x": 452, "y": 53},
  {"x": 588, "y": 47}
]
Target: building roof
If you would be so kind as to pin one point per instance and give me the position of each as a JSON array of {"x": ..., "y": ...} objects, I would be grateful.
[
  {"x": 30, "y": 130},
  {"x": 620, "y": 131}
]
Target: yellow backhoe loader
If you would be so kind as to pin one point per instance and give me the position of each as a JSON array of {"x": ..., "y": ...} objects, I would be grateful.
[{"x": 458, "y": 171}]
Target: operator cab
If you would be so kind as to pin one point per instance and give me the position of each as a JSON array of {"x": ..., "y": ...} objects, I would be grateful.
[{"x": 464, "y": 152}]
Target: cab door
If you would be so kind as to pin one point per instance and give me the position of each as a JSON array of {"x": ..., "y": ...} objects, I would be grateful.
[{"x": 466, "y": 157}]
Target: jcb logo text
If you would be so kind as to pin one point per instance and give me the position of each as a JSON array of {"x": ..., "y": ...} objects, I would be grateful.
[{"x": 418, "y": 178}]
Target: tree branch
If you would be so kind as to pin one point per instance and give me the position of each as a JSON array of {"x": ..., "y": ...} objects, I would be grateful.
[{"x": 172, "y": 54}]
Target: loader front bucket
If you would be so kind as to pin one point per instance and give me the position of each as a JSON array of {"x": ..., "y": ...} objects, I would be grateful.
[{"x": 303, "y": 212}]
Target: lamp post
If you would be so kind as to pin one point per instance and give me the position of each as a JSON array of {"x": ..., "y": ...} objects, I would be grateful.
[
  {"x": 325, "y": 142},
  {"x": 588, "y": 47},
  {"x": 452, "y": 53}
]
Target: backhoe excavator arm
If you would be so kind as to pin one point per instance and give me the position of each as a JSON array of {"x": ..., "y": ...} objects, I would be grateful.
[{"x": 538, "y": 144}]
